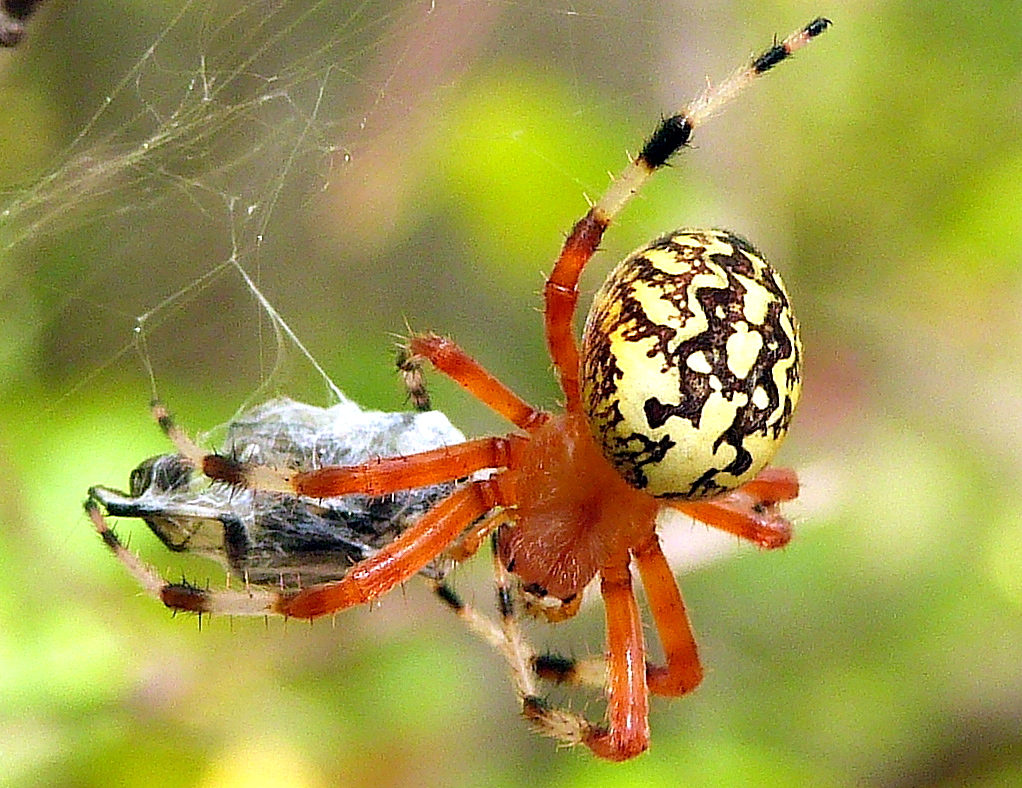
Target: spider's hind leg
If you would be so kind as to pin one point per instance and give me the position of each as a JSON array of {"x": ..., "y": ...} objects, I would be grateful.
[
  {"x": 525, "y": 665},
  {"x": 750, "y": 512}
]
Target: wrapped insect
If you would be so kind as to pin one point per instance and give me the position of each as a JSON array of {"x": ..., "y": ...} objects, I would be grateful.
[{"x": 268, "y": 538}]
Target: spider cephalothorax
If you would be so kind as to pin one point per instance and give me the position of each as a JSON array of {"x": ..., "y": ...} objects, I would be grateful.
[{"x": 683, "y": 389}]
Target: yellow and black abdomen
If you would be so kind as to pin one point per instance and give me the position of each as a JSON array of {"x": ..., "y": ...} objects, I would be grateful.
[{"x": 691, "y": 364}]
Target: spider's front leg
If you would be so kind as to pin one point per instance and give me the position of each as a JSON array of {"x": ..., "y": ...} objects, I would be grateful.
[
  {"x": 358, "y": 576},
  {"x": 375, "y": 478},
  {"x": 367, "y": 580},
  {"x": 398, "y": 561},
  {"x": 254, "y": 601}
]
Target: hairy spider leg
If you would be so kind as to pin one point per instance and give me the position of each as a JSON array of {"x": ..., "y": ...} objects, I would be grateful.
[
  {"x": 390, "y": 474},
  {"x": 147, "y": 577},
  {"x": 561, "y": 289},
  {"x": 447, "y": 357},
  {"x": 682, "y": 671},
  {"x": 253, "y": 601},
  {"x": 472, "y": 539},
  {"x": 367, "y": 580},
  {"x": 410, "y": 370},
  {"x": 397, "y": 561},
  {"x": 506, "y": 638},
  {"x": 375, "y": 478},
  {"x": 378, "y": 477},
  {"x": 625, "y": 675},
  {"x": 627, "y": 731}
]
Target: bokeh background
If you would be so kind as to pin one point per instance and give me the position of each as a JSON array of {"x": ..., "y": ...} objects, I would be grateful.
[{"x": 377, "y": 165}]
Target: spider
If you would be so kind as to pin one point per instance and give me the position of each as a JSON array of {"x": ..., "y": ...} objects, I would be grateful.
[{"x": 677, "y": 399}]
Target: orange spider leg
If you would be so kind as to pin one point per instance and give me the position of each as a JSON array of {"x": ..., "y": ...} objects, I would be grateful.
[
  {"x": 472, "y": 539},
  {"x": 682, "y": 672},
  {"x": 561, "y": 298},
  {"x": 449, "y": 358},
  {"x": 750, "y": 512},
  {"x": 390, "y": 474},
  {"x": 627, "y": 733},
  {"x": 773, "y": 485},
  {"x": 398, "y": 561}
]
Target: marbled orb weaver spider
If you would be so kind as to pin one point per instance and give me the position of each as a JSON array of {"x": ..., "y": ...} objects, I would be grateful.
[{"x": 684, "y": 386}]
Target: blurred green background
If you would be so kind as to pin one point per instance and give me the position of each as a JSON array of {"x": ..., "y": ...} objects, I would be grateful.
[{"x": 374, "y": 165}]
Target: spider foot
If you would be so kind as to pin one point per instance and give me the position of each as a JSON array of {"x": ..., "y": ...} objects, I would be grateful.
[
  {"x": 409, "y": 366},
  {"x": 568, "y": 728}
]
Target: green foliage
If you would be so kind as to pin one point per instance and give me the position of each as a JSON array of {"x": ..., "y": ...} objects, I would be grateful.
[{"x": 880, "y": 171}]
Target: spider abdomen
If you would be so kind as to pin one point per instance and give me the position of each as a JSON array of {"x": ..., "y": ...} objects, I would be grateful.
[{"x": 691, "y": 364}]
